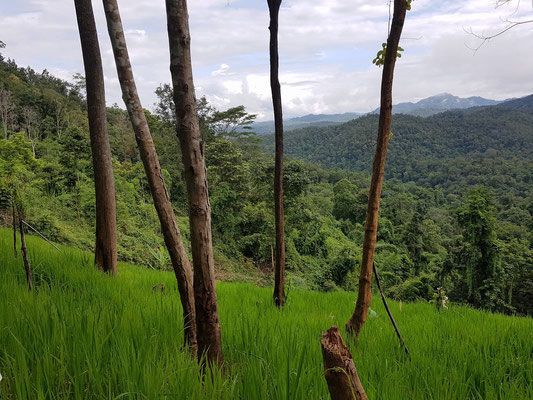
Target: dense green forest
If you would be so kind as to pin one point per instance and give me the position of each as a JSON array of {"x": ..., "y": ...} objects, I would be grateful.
[
  {"x": 456, "y": 213},
  {"x": 453, "y": 150}
]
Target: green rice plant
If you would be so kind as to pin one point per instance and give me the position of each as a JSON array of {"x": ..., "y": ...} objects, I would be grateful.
[{"x": 84, "y": 335}]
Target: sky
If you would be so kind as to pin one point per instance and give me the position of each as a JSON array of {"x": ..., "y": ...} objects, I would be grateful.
[{"x": 326, "y": 50}]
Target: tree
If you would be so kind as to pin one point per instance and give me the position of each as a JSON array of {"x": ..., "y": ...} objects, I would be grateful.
[
  {"x": 7, "y": 108},
  {"x": 164, "y": 108},
  {"x": 32, "y": 122},
  {"x": 349, "y": 202},
  {"x": 279, "y": 267},
  {"x": 356, "y": 322},
  {"x": 104, "y": 182},
  {"x": 235, "y": 122},
  {"x": 2, "y": 46},
  {"x": 60, "y": 116},
  {"x": 414, "y": 240},
  {"x": 16, "y": 164},
  {"x": 165, "y": 212},
  {"x": 480, "y": 251},
  {"x": 193, "y": 156}
]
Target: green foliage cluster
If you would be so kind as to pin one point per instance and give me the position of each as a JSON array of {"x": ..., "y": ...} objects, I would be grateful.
[
  {"x": 82, "y": 335},
  {"x": 379, "y": 60}
]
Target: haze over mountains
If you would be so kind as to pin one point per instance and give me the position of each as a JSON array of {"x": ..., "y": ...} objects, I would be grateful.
[
  {"x": 290, "y": 124},
  {"x": 423, "y": 108}
]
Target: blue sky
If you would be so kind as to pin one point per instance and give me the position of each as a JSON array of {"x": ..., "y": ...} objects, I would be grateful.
[{"x": 326, "y": 50}]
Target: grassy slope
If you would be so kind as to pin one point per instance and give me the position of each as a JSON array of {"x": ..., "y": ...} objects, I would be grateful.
[{"x": 85, "y": 335}]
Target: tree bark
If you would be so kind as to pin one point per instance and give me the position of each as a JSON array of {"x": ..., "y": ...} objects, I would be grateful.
[
  {"x": 193, "y": 156},
  {"x": 25, "y": 254},
  {"x": 339, "y": 368},
  {"x": 106, "y": 220},
  {"x": 167, "y": 218},
  {"x": 356, "y": 322},
  {"x": 279, "y": 271},
  {"x": 14, "y": 225}
]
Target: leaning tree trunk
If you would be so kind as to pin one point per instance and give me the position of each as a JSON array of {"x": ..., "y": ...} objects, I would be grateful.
[
  {"x": 356, "y": 322},
  {"x": 24, "y": 253},
  {"x": 193, "y": 156},
  {"x": 167, "y": 219},
  {"x": 339, "y": 368},
  {"x": 279, "y": 270},
  {"x": 106, "y": 219}
]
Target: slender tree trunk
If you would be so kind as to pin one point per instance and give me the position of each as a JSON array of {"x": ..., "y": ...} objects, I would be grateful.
[
  {"x": 14, "y": 225},
  {"x": 25, "y": 253},
  {"x": 356, "y": 322},
  {"x": 193, "y": 156},
  {"x": 339, "y": 368},
  {"x": 169, "y": 224},
  {"x": 106, "y": 220},
  {"x": 279, "y": 271}
]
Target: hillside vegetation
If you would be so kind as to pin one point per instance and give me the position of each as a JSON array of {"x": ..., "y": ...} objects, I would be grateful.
[
  {"x": 428, "y": 235},
  {"x": 453, "y": 150},
  {"x": 85, "y": 335}
]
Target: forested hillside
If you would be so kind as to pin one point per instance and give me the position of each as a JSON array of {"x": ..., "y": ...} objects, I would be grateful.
[
  {"x": 435, "y": 226},
  {"x": 453, "y": 150}
]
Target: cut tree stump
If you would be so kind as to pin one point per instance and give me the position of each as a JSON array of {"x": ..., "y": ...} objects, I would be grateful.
[{"x": 339, "y": 368}]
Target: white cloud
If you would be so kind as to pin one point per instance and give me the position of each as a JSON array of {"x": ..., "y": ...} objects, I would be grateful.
[
  {"x": 326, "y": 49},
  {"x": 222, "y": 71}
]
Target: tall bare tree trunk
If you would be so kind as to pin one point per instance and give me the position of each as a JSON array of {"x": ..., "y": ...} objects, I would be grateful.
[
  {"x": 106, "y": 219},
  {"x": 24, "y": 253},
  {"x": 169, "y": 224},
  {"x": 356, "y": 322},
  {"x": 193, "y": 156},
  {"x": 279, "y": 271},
  {"x": 14, "y": 225}
]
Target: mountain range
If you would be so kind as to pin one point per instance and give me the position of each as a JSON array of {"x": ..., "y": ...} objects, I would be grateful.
[
  {"x": 423, "y": 108},
  {"x": 439, "y": 103},
  {"x": 305, "y": 121},
  {"x": 452, "y": 149}
]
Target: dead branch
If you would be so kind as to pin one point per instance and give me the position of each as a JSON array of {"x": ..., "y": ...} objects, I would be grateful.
[
  {"x": 390, "y": 314},
  {"x": 40, "y": 234}
]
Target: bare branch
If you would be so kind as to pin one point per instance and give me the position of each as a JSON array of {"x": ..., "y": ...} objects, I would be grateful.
[
  {"x": 484, "y": 39},
  {"x": 40, "y": 234},
  {"x": 509, "y": 24}
]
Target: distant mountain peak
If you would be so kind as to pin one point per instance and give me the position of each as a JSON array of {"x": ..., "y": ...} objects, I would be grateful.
[
  {"x": 439, "y": 103},
  {"x": 443, "y": 94}
]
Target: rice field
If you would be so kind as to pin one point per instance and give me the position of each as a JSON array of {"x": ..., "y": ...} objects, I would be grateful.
[{"x": 83, "y": 335}]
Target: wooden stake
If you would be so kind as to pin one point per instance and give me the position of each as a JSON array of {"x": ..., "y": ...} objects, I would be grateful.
[
  {"x": 14, "y": 226},
  {"x": 339, "y": 368},
  {"x": 25, "y": 254}
]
